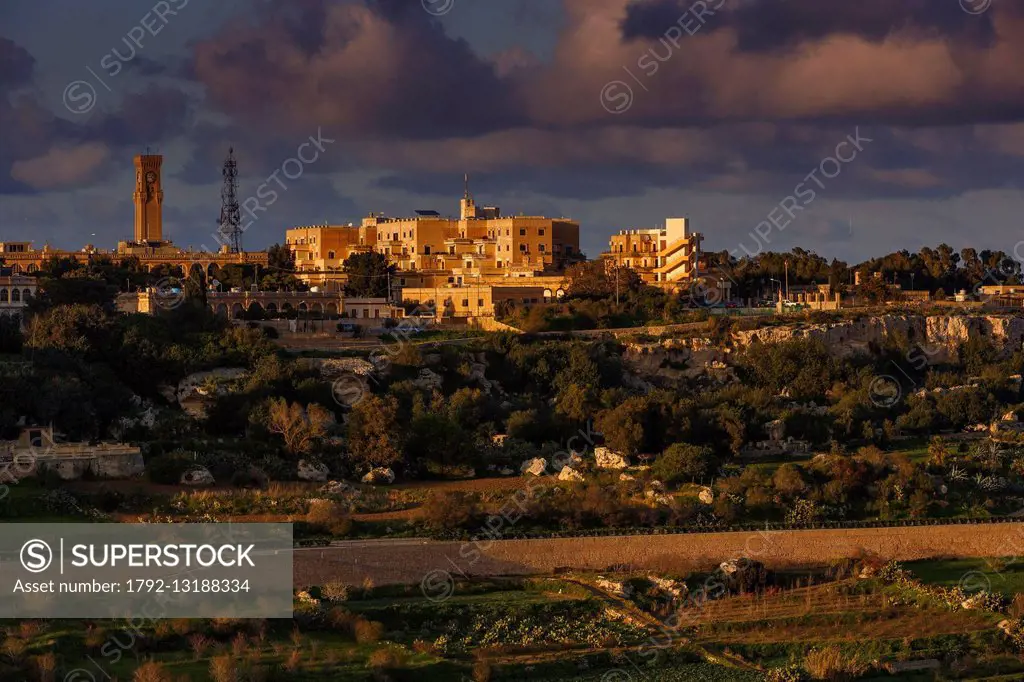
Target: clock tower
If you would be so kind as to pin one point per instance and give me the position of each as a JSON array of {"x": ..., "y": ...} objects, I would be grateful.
[{"x": 149, "y": 199}]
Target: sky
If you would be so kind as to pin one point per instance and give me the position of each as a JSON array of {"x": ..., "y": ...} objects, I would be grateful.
[{"x": 852, "y": 129}]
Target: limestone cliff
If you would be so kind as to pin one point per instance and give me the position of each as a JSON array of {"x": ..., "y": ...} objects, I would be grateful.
[{"x": 940, "y": 336}]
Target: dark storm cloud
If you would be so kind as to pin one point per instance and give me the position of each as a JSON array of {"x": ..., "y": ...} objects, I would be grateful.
[
  {"x": 16, "y": 65},
  {"x": 764, "y": 25},
  {"x": 358, "y": 69},
  {"x": 149, "y": 116}
]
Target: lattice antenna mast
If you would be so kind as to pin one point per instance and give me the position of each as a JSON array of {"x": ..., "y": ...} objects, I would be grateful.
[{"x": 230, "y": 215}]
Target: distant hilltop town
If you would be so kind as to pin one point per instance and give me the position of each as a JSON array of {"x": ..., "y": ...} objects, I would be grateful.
[{"x": 487, "y": 256}]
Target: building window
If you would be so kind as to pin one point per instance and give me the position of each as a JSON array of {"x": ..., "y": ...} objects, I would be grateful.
[
  {"x": 15, "y": 296},
  {"x": 540, "y": 232},
  {"x": 426, "y": 250},
  {"x": 479, "y": 303},
  {"x": 330, "y": 255},
  {"x": 522, "y": 232},
  {"x": 541, "y": 247},
  {"x": 465, "y": 303},
  {"x": 3, "y": 295},
  {"x": 451, "y": 280},
  {"x": 401, "y": 281},
  {"x": 522, "y": 247}
]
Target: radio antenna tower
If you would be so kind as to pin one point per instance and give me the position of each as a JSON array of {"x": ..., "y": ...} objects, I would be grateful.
[{"x": 230, "y": 215}]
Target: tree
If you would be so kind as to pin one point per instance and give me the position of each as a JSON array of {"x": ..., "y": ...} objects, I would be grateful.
[
  {"x": 368, "y": 275},
  {"x": 598, "y": 279},
  {"x": 280, "y": 266},
  {"x": 789, "y": 480},
  {"x": 374, "y": 438},
  {"x": 81, "y": 330},
  {"x": 301, "y": 427},
  {"x": 623, "y": 426},
  {"x": 682, "y": 462}
]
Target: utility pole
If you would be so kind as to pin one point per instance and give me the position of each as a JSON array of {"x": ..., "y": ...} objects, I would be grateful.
[{"x": 787, "y": 279}]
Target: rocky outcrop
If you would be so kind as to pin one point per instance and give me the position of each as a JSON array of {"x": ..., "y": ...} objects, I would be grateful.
[
  {"x": 337, "y": 488},
  {"x": 570, "y": 474},
  {"x": 429, "y": 380},
  {"x": 331, "y": 368},
  {"x": 940, "y": 337},
  {"x": 195, "y": 391},
  {"x": 535, "y": 467},
  {"x": 608, "y": 459},
  {"x": 197, "y": 476},
  {"x": 312, "y": 471},
  {"x": 379, "y": 476}
]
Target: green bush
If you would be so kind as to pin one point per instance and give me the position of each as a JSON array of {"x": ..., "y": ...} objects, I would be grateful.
[{"x": 169, "y": 468}]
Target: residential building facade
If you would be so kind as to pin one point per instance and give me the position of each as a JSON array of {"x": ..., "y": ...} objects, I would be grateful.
[{"x": 661, "y": 256}]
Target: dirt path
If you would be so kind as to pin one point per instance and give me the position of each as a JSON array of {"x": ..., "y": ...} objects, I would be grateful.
[{"x": 415, "y": 560}]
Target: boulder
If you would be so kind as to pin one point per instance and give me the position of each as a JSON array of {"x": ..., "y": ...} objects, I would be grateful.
[
  {"x": 743, "y": 574},
  {"x": 607, "y": 459},
  {"x": 429, "y": 380},
  {"x": 197, "y": 476},
  {"x": 536, "y": 466},
  {"x": 569, "y": 474},
  {"x": 674, "y": 587},
  {"x": 312, "y": 471},
  {"x": 626, "y": 477},
  {"x": 616, "y": 588},
  {"x": 337, "y": 488},
  {"x": 706, "y": 495},
  {"x": 379, "y": 476}
]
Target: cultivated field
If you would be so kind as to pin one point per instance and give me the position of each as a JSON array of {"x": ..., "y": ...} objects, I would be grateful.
[{"x": 409, "y": 561}]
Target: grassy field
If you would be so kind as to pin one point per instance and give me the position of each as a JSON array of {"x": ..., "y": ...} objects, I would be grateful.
[
  {"x": 993, "y": 575},
  {"x": 562, "y": 629}
]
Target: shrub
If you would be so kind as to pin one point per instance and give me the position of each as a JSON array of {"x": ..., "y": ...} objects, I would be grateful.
[
  {"x": 199, "y": 643},
  {"x": 334, "y": 591},
  {"x": 682, "y": 462},
  {"x": 386, "y": 659},
  {"x": 832, "y": 665},
  {"x": 223, "y": 669},
  {"x": 367, "y": 631},
  {"x": 250, "y": 477},
  {"x": 169, "y": 468},
  {"x": 150, "y": 671},
  {"x": 46, "y": 664},
  {"x": 330, "y": 516}
]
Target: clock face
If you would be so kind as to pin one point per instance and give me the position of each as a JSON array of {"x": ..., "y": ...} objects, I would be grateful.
[{"x": 151, "y": 177}]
